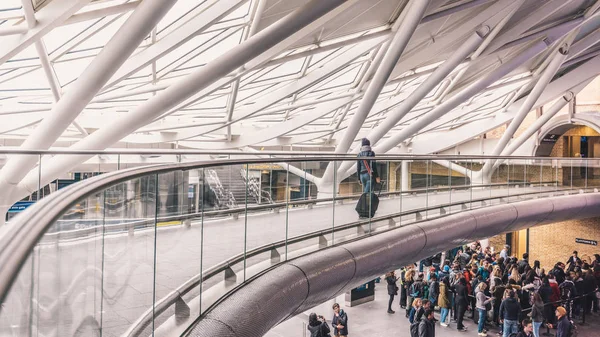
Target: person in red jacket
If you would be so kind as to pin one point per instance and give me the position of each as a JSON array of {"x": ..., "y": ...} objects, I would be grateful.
[{"x": 555, "y": 289}]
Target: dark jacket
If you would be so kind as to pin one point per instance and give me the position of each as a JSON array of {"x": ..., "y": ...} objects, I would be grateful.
[
  {"x": 319, "y": 330},
  {"x": 426, "y": 328},
  {"x": 392, "y": 288},
  {"x": 341, "y": 319},
  {"x": 563, "y": 327},
  {"x": 417, "y": 289},
  {"x": 434, "y": 290},
  {"x": 559, "y": 275},
  {"x": 510, "y": 309},
  {"x": 521, "y": 265},
  {"x": 366, "y": 151},
  {"x": 462, "y": 295}
]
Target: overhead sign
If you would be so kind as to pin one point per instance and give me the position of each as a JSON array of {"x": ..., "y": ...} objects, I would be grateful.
[
  {"x": 20, "y": 206},
  {"x": 586, "y": 242},
  {"x": 550, "y": 138}
]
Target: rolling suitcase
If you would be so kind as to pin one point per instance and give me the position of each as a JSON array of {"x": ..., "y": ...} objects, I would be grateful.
[{"x": 367, "y": 206}]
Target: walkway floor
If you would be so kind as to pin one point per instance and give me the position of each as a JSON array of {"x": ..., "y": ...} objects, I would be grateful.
[{"x": 372, "y": 320}]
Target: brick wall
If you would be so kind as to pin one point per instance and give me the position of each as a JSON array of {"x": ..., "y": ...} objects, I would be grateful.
[{"x": 556, "y": 242}]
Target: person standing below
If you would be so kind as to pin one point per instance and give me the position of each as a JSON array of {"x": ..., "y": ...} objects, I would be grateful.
[
  {"x": 444, "y": 301},
  {"x": 481, "y": 303},
  {"x": 366, "y": 167},
  {"x": 504, "y": 252},
  {"x": 537, "y": 314},
  {"x": 402, "y": 278},
  {"x": 392, "y": 289},
  {"x": 564, "y": 326},
  {"x": 317, "y": 326},
  {"x": 434, "y": 290},
  {"x": 339, "y": 321},
  {"x": 510, "y": 310},
  {"x": 408, "y": 282},
  {"x": 427, "y": 325},
  {"x": 573, "y": 261},
  {"x": 462, "y": 301},
  {"x": 416, "y": 306},
  {"x": 527, "y": 329}
]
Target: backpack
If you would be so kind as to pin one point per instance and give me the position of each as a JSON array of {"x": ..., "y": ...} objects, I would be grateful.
[
  {"x": 414, "y": 329},
  {"x": 415, "y": 290}
]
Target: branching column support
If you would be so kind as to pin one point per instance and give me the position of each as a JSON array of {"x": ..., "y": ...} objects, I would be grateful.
[
  {"x": 185, "y": 88},
  {"x": 460, "y": 97},
  {"x": 415, "y": 13},
  {"x": 525, "y": 108},
  {"x": 418, "y": 94}
]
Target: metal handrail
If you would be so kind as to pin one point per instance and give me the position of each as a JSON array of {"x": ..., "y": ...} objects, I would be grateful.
[
  {"x": 27, "y": 229},
  {"x": 18, "y": 151},
  {"x": 278, "y": 205}
]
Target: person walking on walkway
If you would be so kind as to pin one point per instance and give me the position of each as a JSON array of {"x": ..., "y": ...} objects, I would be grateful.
[
  {"x": 482, "y": 301},
  {"x": 392, "y": 289},
  {"x": 366, "y": 167},
  {"x": 510, "y": 309},
  {"x": 339, "y": 321}
]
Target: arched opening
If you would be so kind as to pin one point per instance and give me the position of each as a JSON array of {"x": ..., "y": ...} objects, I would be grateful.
[{"x": 570, "y": 141}]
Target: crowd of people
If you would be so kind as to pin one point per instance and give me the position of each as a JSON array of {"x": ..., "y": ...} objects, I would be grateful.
[{"x": 496, "y": 288}]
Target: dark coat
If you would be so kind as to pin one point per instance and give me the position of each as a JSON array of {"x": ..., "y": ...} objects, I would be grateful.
[
  {"x": 320, "y": 330},
  {"x": 462, "y": 294},
  {"x": 426, "y": 328},
  {"x": 341, "y": 319},
  {"x": 510, "y": 309},
  {"x": 392, "y": 288},
  {"x": 563, "y": 327}
]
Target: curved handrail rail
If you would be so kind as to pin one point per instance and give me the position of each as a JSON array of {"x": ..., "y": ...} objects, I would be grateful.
[
  {"x": 279, "y": 205},
  {"x": 26, "y": 231}
]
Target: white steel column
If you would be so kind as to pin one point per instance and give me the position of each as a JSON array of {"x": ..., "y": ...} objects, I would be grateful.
[
  {"x": 64, "y": 112},
  {"x": 460, "y": 97},
  {"x": 525, "y": 108},
  {"x": 235, "y": 86},
  {"x": 185, "y": 88},
  {"x": 44, "y": 60},
  {"x": 415, "y": 13},
  {"x": 418, "y": 94},
  {"x": 404, "y": 176}
]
